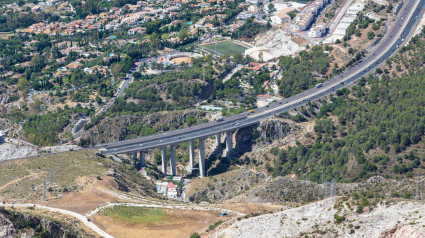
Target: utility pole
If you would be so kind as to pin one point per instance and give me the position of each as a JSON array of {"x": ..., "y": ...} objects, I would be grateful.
[
  {"x": 51, "y": 177},
  {"x": 417, "y": 188}
]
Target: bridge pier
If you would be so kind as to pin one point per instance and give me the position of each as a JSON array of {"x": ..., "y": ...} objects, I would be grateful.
[
  {"x": 229, "y": 141},
  {"x": 173, "y": 159},
  {"x": 192, "y": 154},
  {"x": 218, "y": 139},
  {"x": 201, "y": 157},
  {"x": 164, "y": 159},
  {"x": 142, "y": 158}
]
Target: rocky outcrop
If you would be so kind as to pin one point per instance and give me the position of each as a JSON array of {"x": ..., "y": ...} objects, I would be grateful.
[
  {"x": 273, "y": 129},
  {"x": 265, "y": 131},
  {"x": 14, "y": 224},
  {"x": 402, "y": 232},
  {"x": 279, "y": 42},
  {"x": 6, "y": 228}
]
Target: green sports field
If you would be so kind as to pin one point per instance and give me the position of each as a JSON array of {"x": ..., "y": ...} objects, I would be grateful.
[{"x": 224, "y": 47}]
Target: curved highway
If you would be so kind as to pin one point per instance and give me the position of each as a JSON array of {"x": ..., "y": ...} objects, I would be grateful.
[{"x": 393, "y": 39}]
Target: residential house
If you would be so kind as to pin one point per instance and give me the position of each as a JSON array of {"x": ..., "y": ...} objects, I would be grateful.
[
  {"x": 74, "y": 65},
  {"x": 172, "y": 190},
  {"x": 136, "y": 30}
]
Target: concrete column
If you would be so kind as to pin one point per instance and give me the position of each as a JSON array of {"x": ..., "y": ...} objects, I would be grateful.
[
  {"x": 164, "y": 159},
  {"x": 142, "y": 158},
  {"x": 192, "y": 154},
  {"x": 229, "y": 141},
  {"x": 173, "y": 159},
  {"x": 218, "y": 139},
  {"x": 202, "y": 157}
]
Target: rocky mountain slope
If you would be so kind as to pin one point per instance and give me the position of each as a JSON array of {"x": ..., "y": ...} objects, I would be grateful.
[{"x": 333, "y": 218}]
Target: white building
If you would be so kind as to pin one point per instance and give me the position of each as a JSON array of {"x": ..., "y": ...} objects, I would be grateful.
[
  {"x": 317, "y": 31},
  {"x": 304, "y": 19},
  {"x": 282, "y": 16},
  {"x": 244, "y": 15},
  {"x": 252, "y": 1},
  {"x": 178, "y": 179},
  {"x": 161, "y": 187},
  {"x": 172, "y": 190}
]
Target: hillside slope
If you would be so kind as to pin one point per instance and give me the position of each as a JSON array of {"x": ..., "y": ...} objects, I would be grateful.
[{"x": 333, "y": 218}]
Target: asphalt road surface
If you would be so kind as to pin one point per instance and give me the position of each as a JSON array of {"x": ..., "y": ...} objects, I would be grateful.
[{"x": 394, "y": 38}]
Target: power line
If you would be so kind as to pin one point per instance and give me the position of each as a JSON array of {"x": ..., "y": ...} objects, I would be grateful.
[
  {"x": 333, "y": 192},
  {"x": 44, "y": 190}
]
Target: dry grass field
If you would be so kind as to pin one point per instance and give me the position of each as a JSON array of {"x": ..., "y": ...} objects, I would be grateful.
[{"x": 129, "y": 222}]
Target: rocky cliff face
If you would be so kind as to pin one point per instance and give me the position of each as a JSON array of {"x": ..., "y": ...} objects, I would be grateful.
[
  {"x": 402, "y": 232},
  {"x": 273, "y": 129},
  {"x": 266, "y": 131}
]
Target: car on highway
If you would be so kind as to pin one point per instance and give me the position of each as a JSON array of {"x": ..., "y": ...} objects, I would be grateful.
[
  {"x": 141, "y": 144},
  {"x": 251, "y": 111},
  {"x": 219, "y": 119},
  {"x": 319, "y": 85}
]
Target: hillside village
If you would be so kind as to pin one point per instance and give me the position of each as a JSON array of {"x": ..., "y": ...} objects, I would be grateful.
[{"x": 211, "y": 118}]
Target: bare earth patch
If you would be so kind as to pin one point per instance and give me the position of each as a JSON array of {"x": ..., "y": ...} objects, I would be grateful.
[{"x": 87, "y": 199}]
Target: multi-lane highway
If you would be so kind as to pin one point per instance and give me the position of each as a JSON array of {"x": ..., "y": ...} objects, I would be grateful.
[{"x": 393, "y": 39}]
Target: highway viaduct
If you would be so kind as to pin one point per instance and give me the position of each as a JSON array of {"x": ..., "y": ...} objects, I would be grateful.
[{"x": 393, "y": 39}]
